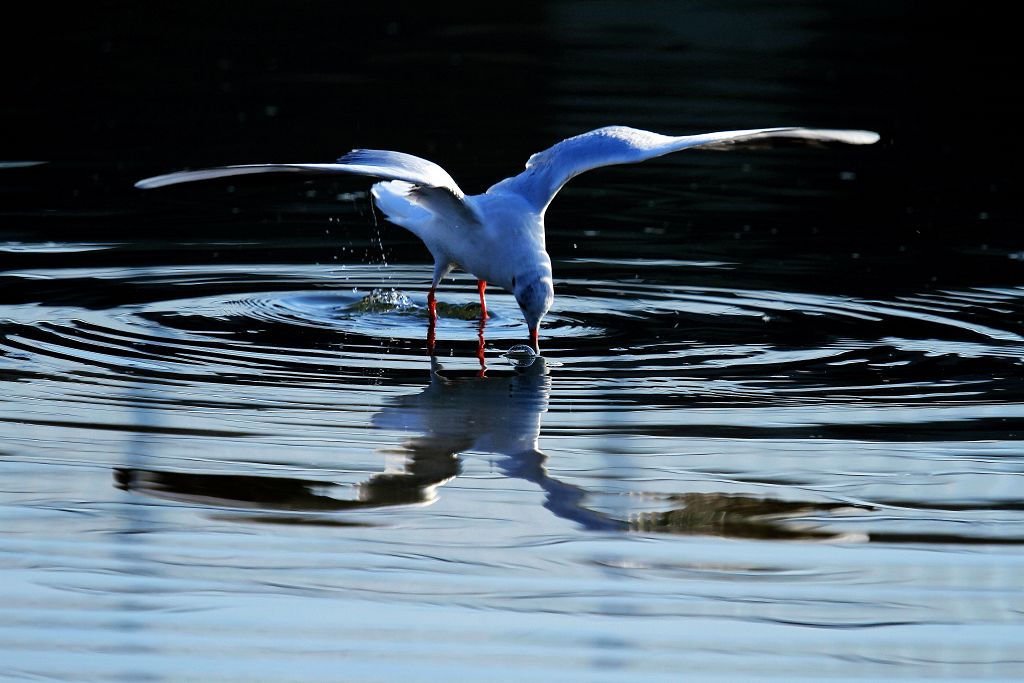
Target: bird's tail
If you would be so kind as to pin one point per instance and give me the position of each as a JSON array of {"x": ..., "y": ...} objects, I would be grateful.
[
  {"x": 393, "y": 198},
  {"x": 416, "y": 207}
]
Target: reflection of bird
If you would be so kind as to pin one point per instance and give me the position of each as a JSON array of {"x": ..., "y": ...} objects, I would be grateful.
[
  {"x": 496, "y": 414},
  {"x": 500, "y": 414},
  {"x": 498, "y": 236}
]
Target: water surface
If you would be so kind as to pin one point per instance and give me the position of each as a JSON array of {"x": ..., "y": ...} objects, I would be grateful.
[{"x": 775, "y": 431}]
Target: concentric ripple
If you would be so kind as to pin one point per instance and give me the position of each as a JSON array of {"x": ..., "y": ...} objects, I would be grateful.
[{"x": 245, "y": 322}]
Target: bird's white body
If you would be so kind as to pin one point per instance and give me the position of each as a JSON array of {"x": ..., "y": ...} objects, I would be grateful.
[
  {"x": 498, "y": 236},
  {"x": 506, "y": 240}
]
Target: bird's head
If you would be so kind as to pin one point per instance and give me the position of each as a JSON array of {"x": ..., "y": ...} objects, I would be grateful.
[{"x": 534, "y": 293}]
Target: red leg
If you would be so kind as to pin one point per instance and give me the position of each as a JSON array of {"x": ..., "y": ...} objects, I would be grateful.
[
  {"x": 432, "y": 324},
  {"x": 480, "y": 354},
  {"x": 481, "y": 287}
]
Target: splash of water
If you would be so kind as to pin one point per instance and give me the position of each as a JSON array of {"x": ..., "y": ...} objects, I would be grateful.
[{"x": 384, "y": 301}]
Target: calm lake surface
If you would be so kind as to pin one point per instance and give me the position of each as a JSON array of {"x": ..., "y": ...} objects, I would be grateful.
[{"x": 776, "y": 431}]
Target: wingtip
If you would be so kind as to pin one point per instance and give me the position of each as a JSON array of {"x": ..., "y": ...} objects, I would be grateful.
[
  {"x": 854, "y": 136},
  {"x": 865, "y": 137},
  {"x": 21, "y": 164},
  {"x": 848, "y": 136},
  {"x": 152, "y": 182}
]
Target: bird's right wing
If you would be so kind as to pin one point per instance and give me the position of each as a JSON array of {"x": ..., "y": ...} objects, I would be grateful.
[
  {"x": 546, "y": 172},
  {"x": 428, "y": 182},
  {"x": 371, "y": 162}
]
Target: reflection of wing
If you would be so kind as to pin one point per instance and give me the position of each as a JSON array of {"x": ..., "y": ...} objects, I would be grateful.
[
  {"x": 564, "y": 500},
  {"x": 738, "y": 516},
  {"x": 547, "y": 171},
  {"x": 233, "y": 490}
]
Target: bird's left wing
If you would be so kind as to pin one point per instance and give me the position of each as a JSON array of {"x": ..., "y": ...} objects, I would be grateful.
[{"x": 546, "y": 172}]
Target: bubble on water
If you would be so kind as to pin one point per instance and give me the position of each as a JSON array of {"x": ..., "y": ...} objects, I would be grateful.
[{"x": 521, "y": 356}]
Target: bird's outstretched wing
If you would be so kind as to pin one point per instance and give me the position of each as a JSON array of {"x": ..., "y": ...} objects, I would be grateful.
[
  {"x": 427, "y": 184},
  {"x": 546, "y": 172},
  {"x": 371, "y": 162}
]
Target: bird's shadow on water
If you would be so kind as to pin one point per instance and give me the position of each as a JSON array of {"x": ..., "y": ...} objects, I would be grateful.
[{"x": 469, "y": 411}]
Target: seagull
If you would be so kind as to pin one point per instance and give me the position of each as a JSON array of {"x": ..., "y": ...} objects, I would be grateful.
[{"x": 498, "y": 236}]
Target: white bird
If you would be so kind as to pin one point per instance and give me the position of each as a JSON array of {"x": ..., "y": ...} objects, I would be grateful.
[{"x": 498, "y": 236}]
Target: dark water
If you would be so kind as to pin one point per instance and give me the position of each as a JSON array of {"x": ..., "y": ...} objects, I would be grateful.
[{"x": 776, "y": 431}]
